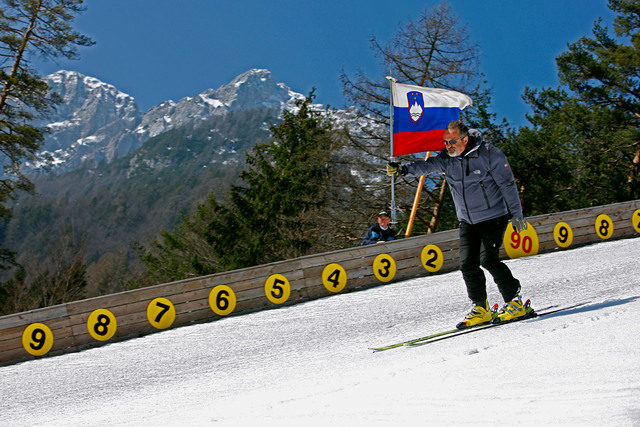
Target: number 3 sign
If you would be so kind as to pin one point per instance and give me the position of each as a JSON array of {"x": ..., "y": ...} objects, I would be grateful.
[{"x": 521, "y": 244}]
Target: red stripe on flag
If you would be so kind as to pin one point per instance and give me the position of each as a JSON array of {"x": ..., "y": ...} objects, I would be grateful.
[{"x": 417, "y": 142}]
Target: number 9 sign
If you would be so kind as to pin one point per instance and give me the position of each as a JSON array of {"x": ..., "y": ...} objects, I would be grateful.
[
  {"x": 563, "y": 234},
  {"x": 37, "y": 339},
  {"x": 635, "y": 220},
  {"x": 521, "y": 244}
]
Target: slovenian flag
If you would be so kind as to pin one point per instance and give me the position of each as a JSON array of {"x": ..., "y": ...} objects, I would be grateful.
[{"x": 421, "y": 115}]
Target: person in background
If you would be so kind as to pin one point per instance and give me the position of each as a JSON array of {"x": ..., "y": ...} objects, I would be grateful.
[
  {"x": 380, "y": 232},
  {"x": 484, "y": 193}
]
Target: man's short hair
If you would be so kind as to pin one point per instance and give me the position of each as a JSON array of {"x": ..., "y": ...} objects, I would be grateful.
[{"x": 463, "y": 130}]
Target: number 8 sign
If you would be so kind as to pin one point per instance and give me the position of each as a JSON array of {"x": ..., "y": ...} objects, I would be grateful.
[
  {"x": 102, "y": 324},
  {"x": 521, "y": 244},
  {"x": 604, "y": 226}
]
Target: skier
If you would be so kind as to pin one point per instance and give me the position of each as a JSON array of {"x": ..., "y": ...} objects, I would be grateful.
[
  {"x": 379, "y": 232},
  {"x": 484, "y": 192}
]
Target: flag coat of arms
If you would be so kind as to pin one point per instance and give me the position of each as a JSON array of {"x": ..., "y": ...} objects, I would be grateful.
[{"x": 421, "y": 115}]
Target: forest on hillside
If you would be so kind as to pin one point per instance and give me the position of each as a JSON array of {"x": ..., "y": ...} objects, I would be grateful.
[{"x": 234, "y": 192}]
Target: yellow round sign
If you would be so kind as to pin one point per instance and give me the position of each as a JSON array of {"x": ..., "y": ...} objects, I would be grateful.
[
  {"x": 277, "y": 288},
  {"x": 604, "y": 226},
  {"x": 384, "y": 267},
  {"x": 521, "y": 244},
  {"x": 432, "y": 258},
  {"x": 635, "y": 220},
  {"x": 563, "y": 234},
  {"x": 161, "y": 313},
  {"x": 37, "y": 339},
  {"x": 334, "y": 278},
  {"x": 222, "y": 300},
  {"x": 102, "y": 324}
]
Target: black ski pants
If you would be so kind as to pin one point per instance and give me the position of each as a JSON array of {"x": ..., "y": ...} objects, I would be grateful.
[{"x": 480, "y": 246}]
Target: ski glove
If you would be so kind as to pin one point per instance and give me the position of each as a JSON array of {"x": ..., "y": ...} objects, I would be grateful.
[
  {"x": 519, "y": 224},
  {"x": 395, "y": 168}
]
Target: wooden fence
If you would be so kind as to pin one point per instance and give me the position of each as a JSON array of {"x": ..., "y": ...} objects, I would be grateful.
[{"x": 96, "y": 321}]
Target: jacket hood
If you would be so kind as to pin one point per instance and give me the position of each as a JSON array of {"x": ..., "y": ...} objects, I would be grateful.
[{"x": 475, "y": 139}]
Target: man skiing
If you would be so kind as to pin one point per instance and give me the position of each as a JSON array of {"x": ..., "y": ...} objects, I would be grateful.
[{"x": 484, "y": 192}]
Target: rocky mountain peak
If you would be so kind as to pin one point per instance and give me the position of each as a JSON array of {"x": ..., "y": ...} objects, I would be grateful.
[
  {"x": 252, "y": 89},
  {"x": 97, "y": 123}
]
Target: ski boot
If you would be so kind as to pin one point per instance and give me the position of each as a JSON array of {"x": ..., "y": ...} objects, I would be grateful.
[
  {"x": 514, "y": 310},
  {"x": 478, "y": 315}
]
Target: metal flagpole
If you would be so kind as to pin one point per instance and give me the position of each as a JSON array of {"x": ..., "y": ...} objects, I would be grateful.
[{"x": 391, "y": 157}]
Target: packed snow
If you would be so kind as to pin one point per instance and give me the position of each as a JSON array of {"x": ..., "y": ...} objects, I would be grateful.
[{"x": 310, "y": 364}]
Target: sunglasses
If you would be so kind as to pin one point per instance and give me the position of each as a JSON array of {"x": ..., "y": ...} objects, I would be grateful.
[{"x": 452, "y": 142}]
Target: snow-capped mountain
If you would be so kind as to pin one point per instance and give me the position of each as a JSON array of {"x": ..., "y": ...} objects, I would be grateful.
[
  {"x": 93, "y": 122},
  {"x": 97, "y": 123},
  {"x": 252, "y": 89}
]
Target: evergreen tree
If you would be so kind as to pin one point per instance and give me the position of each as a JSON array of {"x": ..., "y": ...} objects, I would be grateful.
[
  {"x": 272, "y": 216},
  {"x": 583, "y": 148},
  {"x": 28, "y": 27},
  {"x": 59, "y": 279},
  {"x": 604, "y": 73}
]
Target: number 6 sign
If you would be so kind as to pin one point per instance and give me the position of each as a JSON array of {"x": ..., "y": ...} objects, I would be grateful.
[
  {"x": 521, "y": 244},
  {"x": 222, "y": 300}
]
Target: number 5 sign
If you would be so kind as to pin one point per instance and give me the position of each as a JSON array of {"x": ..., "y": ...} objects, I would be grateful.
[{"x": 521, "y": 244}]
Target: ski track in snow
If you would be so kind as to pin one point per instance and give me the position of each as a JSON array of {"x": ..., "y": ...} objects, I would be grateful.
[{"x": 310, "y": 363}]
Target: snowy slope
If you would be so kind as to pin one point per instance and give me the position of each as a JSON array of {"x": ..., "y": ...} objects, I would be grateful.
[{"x": 309, "y": 364}]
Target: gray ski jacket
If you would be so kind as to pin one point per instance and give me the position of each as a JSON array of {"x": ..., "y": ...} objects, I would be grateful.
[{"x": 481, "y": 180}]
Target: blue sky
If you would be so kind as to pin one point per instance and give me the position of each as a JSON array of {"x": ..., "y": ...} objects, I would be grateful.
[{"x": 168, "y": 49}]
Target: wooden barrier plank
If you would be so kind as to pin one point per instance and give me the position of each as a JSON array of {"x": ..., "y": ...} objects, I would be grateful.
[
  {"x": 41, "y": 315},
  {"x": 59, "y": 327}
]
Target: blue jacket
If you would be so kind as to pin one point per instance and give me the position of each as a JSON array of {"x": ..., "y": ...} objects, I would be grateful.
[
  {"x": 481, "y": 180},
  {"x": 376, "y": 233}
]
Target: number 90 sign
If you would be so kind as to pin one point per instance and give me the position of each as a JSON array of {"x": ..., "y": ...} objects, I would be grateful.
[{"x": 521, "y": 244}]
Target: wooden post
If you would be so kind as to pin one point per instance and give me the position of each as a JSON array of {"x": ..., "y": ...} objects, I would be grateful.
[{"x": 416, "y": 200}]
